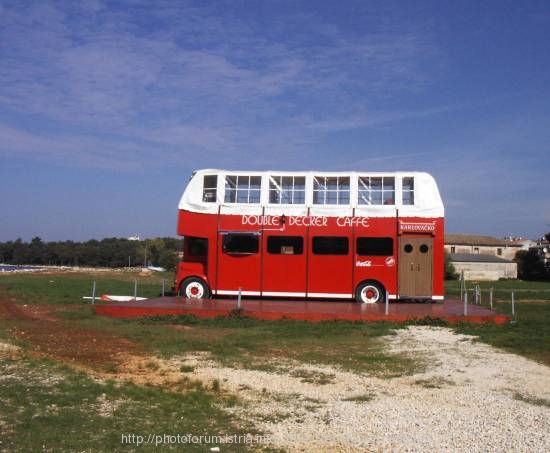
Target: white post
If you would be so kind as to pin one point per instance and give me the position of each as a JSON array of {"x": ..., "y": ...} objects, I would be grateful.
[
  {"x": 162, "y": 287},
  {"x": 466, "y": 303},
  {"x": 513, "y": 306},
  {"x": 462, "y": 285},
  {"x": 93, "y": 292},
  {"x": 491, "y": 297},
  {"x": 135, "y": 289},
  {"x": 387, "y": 309},
  {"x": 239, "y": 299}
]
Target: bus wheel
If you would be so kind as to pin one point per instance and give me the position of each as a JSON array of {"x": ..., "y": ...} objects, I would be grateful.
[
  {"x": 370, "y": 292},
  {"x": 194, "y": 288}
]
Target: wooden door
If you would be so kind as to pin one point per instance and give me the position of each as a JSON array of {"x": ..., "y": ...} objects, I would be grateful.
[{"x": 415, "y": 266}]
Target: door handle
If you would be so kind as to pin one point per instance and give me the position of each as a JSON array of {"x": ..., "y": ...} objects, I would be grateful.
[{"x": 412, "y": 266}]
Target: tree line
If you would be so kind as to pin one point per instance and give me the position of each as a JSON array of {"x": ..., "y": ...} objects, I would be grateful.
[{"x": 108, "y": 252}]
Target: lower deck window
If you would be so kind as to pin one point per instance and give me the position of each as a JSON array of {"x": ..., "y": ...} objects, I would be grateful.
[
  {"x": 285, "y": 245},
  {"x": 240, "y": 243},
  {"x": 373, "y": 246},
  {"x": 194, "y": 248},
  {"x": 330, "y": 245}
]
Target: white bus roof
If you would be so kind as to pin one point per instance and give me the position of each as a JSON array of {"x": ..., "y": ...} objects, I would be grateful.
[{"x": 427, "y": 200}]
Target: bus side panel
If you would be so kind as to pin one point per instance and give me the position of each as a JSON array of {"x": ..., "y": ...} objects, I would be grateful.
[
  {"x": 238, "y": 272},
  {"x": 382, "y": 268},
  {"x": 284, "y": 261},
  {"x": 195, "y": 224},
  {"x": 330, "y": 275},
  {"x": 202, "y": 226}
]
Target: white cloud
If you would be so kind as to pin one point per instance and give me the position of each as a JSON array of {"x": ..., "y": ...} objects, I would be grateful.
[{"x": 185, "y": 76}]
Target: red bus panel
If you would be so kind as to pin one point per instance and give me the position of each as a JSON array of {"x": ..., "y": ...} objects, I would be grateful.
[
  {"x": 330, "y": 268},
  {"x": 284, "y": 263}
]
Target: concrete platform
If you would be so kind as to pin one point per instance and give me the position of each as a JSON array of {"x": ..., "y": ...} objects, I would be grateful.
[{"x": 451, "y": 311}]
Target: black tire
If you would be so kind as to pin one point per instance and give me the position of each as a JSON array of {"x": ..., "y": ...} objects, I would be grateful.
[
  {"x": 194, "y": 288},
  {"x": 370, "y": 292}
]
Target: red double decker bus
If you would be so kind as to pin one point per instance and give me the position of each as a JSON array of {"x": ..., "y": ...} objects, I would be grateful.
[{"x": 346, "y": 235}]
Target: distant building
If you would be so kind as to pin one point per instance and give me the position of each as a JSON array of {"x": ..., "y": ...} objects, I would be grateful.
[
  {"x": 483, "y": 257},
  {"x": 483, "y": 267},
  {"x": 483, "y": 245},
  {"x": 134, "y": 238}
]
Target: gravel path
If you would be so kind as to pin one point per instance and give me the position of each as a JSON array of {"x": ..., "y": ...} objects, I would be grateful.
[{"x": 470, "y": 397}]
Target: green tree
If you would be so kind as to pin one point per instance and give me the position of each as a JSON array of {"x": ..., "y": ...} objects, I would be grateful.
[
  {"x": 21, "y": 252},
  {"x": 36, "y": 251},
  {"x": 450, "y": 271},
  {"x": 109, "y": 252},
  {"x": 530, "y": 266}
]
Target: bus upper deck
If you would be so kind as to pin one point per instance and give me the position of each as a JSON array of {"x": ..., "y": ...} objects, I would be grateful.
[{"x": 415, "y": 194}]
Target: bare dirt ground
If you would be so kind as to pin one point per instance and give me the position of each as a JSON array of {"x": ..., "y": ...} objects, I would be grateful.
[
  {"x": 470, "y": 396},
  {"x": 52, "y": 337}
]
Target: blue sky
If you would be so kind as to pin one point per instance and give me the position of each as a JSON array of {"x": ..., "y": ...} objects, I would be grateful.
[{"x": 107, "y": 107}]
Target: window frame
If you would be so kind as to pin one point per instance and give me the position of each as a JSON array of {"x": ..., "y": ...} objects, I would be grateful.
[
  {"x": 368, "y": 194},
  {"x": 407, "y": 194},
  {"x": 325, "y": 193},
  {"x": 296, "y": 192},
  {"x": 210, "y": 190},
  {"x": 237, "y": 185}
]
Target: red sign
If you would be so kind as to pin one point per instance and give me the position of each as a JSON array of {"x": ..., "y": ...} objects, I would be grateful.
[{"x": 416, "y": 227}]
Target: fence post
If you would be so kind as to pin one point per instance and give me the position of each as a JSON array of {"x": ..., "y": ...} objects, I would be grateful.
[
  {"x": 93, "y": 292},
  {"x": 462, "y": 285},
  {"x": 239, "y": 299},
  {"x": 387, "y": 309},
  {"x": 513, "y": 307},
  {"x": 135, "y": 289},
  {"x": 491, "y": 298},
  {"x": 466, "y": 303},
  {"x": 162, "y": 287}
]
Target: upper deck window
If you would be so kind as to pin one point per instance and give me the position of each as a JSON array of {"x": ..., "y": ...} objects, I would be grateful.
[
  {"x": 209, "y": 188},
  {"x": 376, "y": 190},
  {"x": 287, "y": 189},
  {"x": 242, "y": 189},
  {"x": 331, "y": 190},
  {"x": 408, "y": 191}
]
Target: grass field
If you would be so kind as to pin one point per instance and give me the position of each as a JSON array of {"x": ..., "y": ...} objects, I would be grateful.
[
  {"x": 67, "y": 372},
  {"x": 529, "y": 333},
  {"x": 50, "y": 407}
]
